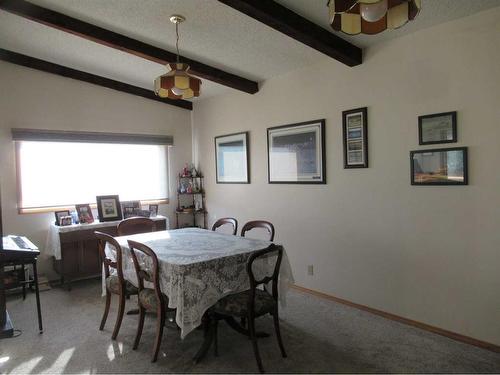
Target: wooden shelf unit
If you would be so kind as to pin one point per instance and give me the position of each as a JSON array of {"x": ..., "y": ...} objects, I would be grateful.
[{"x": 196, "y": 215}]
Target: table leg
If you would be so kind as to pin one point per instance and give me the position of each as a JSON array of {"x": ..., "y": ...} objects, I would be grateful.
[
  {"x": 37, "y": 292},
  {"x": 208, "y": 338}
]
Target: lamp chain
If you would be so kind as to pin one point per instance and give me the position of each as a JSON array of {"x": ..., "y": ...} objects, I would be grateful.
[{"x": 177, "y": 40}]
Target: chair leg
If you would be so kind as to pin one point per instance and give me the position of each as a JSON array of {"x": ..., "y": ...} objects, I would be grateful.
[
  {"x": 106, "y": 310},
  {"x": 278, "y": 332},
  {"x": 251, "y": 329},
  {"x": 142, "y": 314},
  {"x": 216, "y": 334},
  {"x": 119, "y": 318},
  {"x": 159, "y": 333}
]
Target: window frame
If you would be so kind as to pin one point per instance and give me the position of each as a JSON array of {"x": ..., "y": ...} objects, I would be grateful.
[{"x": 35, "y": 135}]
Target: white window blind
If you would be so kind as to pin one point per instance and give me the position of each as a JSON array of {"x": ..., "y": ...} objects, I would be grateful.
[{"x": 62, "y": 173}]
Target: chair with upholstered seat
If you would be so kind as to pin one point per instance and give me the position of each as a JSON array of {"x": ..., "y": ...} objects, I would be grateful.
[
  {"x": 115, "y": 283},
  {"x": 150, "y": 299},
  {"x": 135, "y": 225},
  {"x": 226, "y": 220},
  {"x": 254, "y": 302},
  {"x": 258, "y": 224}
]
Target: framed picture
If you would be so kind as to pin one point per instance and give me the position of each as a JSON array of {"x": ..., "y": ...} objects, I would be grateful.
[
  {"x": 66, "y": 220},
  {"x": 130, "y": 208},
  {"x": 153, "y": 210},
  {"x": 84, "y": 213},
  {"x": 59, "y": 215},
  {"x": 109, "y": 208},
  {"x": 437, "y": 128},
  {"x": 296, "y": 153},
  {"x": 355, "y": 134},
  {"x": 445, "y": 166},
  {"x": 142, "y": 213},
  {"x": 231, "y": 159}
]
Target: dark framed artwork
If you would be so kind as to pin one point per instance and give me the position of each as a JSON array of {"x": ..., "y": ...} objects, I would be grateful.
[
  {"x": 437, "y": 128},
  {"x": 59, "y": 215},
  {"x": 84, "y": 212},
  {"x": 130, "y": 208},
  {"x": 355, "y": 135},
  {"x": 231, "y": 159},
  {"x": 444, "y": 166},
  {"x": 109, "y": 208},
  {"x": 153, "y": 210},
  {"x": 296, "y": 153}
]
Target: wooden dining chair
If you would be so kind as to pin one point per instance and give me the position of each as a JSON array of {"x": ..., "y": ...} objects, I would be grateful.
[
  {"x": 150, "y": 299},
  {"x": 258, "y": 224},
  {"x": 115, "y": 283},
  {"x": 226, "y": 220},
  {"x": 254, "y": 302},
  {"x": 135, "y": 225}
]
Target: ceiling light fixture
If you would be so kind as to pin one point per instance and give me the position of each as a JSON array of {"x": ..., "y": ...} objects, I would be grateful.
[
  {"x": 177, "y": 83},
  {"x": 371, "y": 16}
]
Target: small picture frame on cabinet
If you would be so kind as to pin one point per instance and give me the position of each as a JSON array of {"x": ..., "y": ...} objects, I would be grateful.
[
  {"x": 109, "y": 208},
  {"x": 84, "y": 212},
  {"x": 59, "y": 215},
  {"x": 153, "y": 210}
]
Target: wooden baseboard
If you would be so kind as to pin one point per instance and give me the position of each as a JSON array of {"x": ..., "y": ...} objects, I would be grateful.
[{"x": 426, "y": 327}]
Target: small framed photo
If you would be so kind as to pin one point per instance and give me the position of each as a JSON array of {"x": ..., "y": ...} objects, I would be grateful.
[
  {"x": 153, "y": 210},
  {"x": 109, "y": 208},
  {"x": 143, "y": 213},
  {"x": 66, "y": 220},
  {"x": 355, "y": 134},
  {"x": 437, "y": 128},
  {"x": 296, "y": 153},
  {"x": 130, "y": 208},
  {"x": 61, "y": 214},
  {"x": 231, "y": 159},
  {"x": 84, "y": 212},
  {"x": 445, "y": 166}
]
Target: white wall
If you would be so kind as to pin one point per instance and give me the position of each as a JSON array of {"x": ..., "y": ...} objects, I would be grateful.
[
  {"x": 33, "y": 99},
  {"x": 425, "y": 253}
]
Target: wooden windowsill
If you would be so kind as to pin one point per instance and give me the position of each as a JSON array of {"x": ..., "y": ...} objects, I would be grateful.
[{"x": 40, "y": 210}]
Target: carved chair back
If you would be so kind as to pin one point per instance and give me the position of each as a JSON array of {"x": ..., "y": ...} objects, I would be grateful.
[
  {"x": 146, "y": 269},
  {"x": 107, "y": 262},
  {"x": 226, "y": 220},
  {"x": 259, "y": 224},
  {"x": 136, "y": 225}
]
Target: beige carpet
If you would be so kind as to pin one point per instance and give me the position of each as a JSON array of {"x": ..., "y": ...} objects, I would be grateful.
[{"x": 319, "y": 336}]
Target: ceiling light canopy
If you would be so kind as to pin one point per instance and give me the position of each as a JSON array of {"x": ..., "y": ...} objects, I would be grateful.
[
  {"x": 371, "y": 16},
  {"x": 177, "y": 83}
]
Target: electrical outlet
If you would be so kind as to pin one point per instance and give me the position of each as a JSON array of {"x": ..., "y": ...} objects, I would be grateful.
[{"x": 310, "y": 270}]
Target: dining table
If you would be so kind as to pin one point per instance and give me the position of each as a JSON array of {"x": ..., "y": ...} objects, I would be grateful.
[{"x": 198, "y": 267}]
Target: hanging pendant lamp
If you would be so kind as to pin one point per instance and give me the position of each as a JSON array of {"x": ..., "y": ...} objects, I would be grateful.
[
  {"x": 177, "y": 83},
  {"x": 371, "y": 16}
]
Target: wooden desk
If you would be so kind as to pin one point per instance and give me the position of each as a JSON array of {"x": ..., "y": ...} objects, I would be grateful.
[{"x": 75, "y": 249}]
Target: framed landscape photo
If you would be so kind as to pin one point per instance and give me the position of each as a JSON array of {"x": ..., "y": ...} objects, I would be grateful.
[
  {"x": 355, "y": 134},
  {"x": 84, "y": 212},
  {"x": 109, "y": 208},
  {"x": 445, "y": 166},
  {"x": 296, "y": 153},
  {"x": 130, "y": 208},
  {"x": 231, "y": 159},
  {"x": 61, "y": 214},
  {"x": 437, "y": 128}
]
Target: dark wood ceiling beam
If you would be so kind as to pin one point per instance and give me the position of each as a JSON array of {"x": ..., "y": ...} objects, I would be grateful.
[
  {"x": 297, "y": 27},
  {"x": 114, "y": 40},
  {"x": 45, "y": 66}
]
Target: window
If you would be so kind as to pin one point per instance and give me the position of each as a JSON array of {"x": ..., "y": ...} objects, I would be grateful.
[{"x": 62, "y": 173}]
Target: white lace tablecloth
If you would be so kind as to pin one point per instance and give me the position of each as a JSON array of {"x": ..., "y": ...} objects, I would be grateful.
[
  {"x": 53, "y": 241},
  {"x": 198, "y": 267}
]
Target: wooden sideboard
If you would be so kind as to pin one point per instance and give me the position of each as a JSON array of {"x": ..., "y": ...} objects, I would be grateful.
[{"x": 80, "y": 254}]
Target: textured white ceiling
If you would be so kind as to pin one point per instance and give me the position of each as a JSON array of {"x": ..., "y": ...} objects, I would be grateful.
[{"x": 214, "y": 34}]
